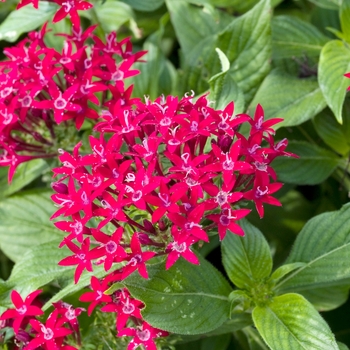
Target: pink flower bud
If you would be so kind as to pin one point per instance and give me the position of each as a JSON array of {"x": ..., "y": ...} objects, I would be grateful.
[{"x": 60, "y": 187}]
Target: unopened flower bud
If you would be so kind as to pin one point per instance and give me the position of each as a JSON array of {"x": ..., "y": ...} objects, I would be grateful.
[
  {"x": 60, "y": 187},
  {"x": 144, "y": 239},
  {"x": 148, "y": 226}
]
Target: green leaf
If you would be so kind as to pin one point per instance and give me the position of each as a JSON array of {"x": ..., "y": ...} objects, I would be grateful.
[
  {"x": 345, "y": 19},
  {"x": 249, "y": 339},
  {"x": 24, "y": 175},
  {"x": 334, "y": 63},
  {"x": 223, "y": 88},
  {"x": 342, "y": 346},
  {"x": 186, "y": 299},
  {"x": 247, "y": 260},
  {"x": 113, "y": 14},
  {"x": 239, "y": 5},
  {"x": 25, "y": 19},
  {"x": 284, "y": 270},
  {"x": 247, "y": 44},
  {"x": 292, "y": 37},
  {"x": 313, "y": 167},
  {"x": 36, "y": 268},
  {"x": 192, "y": 24},
  {"x": 332, "y": 133},
  {"x": 282, "y": 327},
  {"x": 293, "y": 99},
  {"x": 25, "y": 222},
  {"x": 327, "y": 4},
  {"x": 324, "y": 245},
  {"x": 327, "y": 298},
  {"x": 142, "y": 5}
]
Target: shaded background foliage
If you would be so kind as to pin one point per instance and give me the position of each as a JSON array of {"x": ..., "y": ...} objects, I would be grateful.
[{"x": 291, "y": 60}]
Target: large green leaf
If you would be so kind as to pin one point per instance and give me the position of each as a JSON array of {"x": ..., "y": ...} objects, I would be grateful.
[
  {"x": 290, "y": 322},
  {"x": 191, "y": 23},
  {"x": 313, "y": 167},
  {"x": 247, "y": 44},
  {"x": 25, "y": 222},
  {"x": 36, "y": 268},
  {"x": 142, "y": 5},
  {"x": 25, "y": 19},
  {"x": 25, "y": 174},
  {"x": 293, "y": 37},
  {"x": 186, "y": 299},
  {"x": 112, "y": 14},
  {"x": 247, "y": 260},
  {"x": 239, "y": 5},
  {"x": 332, "y": 133},
  {"x": 324, "y": 245},
  {"x": 293, "y": 99},
  {"x": 334, "y": 63}
]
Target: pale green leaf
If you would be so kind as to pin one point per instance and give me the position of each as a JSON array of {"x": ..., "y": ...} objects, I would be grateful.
[
  {"x": 332, "y": 133},
  {"x": 342, "y": 346},
  {"x": 324, "y": 245},
  {"x": 223, "y": 88},
  {"x": 292, "y": 37},
  {"x": 24, "y": 175},
  {"x": 293, "y": 99},
  {"x": 112, "y": 14},
  {"x": 186, "y": 299},
  {"x": 334, "y": 63},
  {"x": 284, "y": 270},
  {"x": 247, "y": 260},
  {"x": 142, "y": 5},
  {"x": 25, "y": 19},
  {"x": 25, "y": 222},
  {"x": 313, "y": 166},
  {"x": 282, "y": 327}
]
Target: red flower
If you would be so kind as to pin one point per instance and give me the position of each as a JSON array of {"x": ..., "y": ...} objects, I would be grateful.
[{"x": 22, "y": 309}]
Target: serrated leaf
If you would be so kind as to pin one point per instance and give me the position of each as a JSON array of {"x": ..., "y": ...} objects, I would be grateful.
[
  {"x": 112, "y": 14},
  {"x": 327, "y": 4},
  {"x": 283, "y": 328},
  {"x": 142, "y": 5},
  {"x": 313, "y": 167},
  {"x": 247, "y": 260},
  {"x": 247, "y": 44},
  {"x": 186, "y": 299},
  {"x": 36, "y": 268},
  {"x": 292, "y": 37},
  {"x": 284, "y": 270},
  {"x": 324, "y": 245},
  {"x": 25, "y": 19},
  {"x": 332, "y": 133},
  {"x": 334, "y": 63},
  {"x": 25, "y": 222},
  {"x": 191, "y": 23},
  {"x": 293, "y": 99},
  {"x": 24, "y": 175}
]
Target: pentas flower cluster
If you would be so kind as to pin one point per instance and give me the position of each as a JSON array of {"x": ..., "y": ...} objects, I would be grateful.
[
  {"x": 60, "y": 327},
  {"x": 160, "y": 176},
  {"x": 46, "y": 95}
]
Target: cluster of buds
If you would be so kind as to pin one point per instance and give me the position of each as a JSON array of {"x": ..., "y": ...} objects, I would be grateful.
[{"x": 30, "y": 333}]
